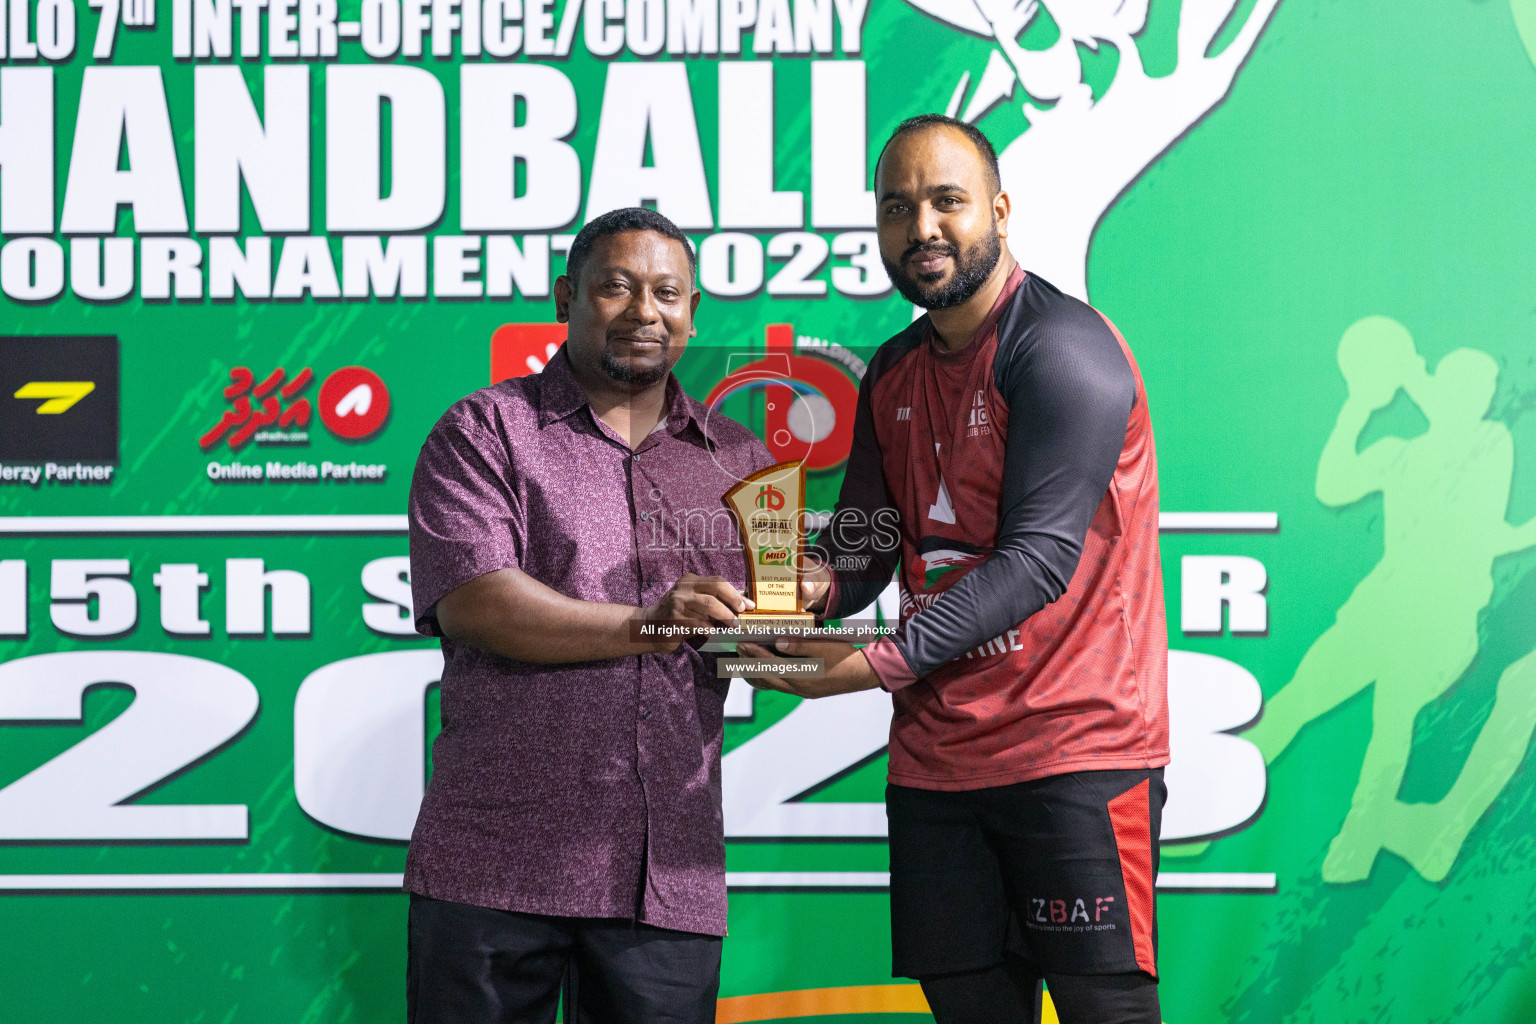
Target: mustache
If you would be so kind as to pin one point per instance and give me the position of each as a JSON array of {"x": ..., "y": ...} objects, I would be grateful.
[
  {"x": 930, "y": 249},
  {"x": 661, "y": 338}
]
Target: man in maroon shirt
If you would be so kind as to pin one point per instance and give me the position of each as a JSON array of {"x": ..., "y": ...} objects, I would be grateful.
[
  {"x": 1007, "y": 430},
  {"x": 572, "y": 825}
]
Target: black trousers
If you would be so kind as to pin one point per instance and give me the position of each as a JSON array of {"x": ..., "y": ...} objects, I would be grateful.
[
  {"x": 476, "y": 965},
  {"x": 994, "y": 889}
]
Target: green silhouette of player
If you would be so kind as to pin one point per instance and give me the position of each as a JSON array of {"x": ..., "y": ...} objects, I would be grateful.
[{"x": 1410, "y": 627}]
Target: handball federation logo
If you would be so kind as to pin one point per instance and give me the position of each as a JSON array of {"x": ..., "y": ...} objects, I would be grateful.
[{"x": 770, "y": 498}]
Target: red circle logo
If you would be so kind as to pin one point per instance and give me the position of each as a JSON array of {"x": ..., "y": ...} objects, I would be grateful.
[{"x": 353, "y": 403}]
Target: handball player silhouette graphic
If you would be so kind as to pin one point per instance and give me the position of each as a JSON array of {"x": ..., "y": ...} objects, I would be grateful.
[{"x": 1410, "y": 627}]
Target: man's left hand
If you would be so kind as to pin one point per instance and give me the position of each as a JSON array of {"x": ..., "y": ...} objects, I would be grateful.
[{"x": 847, "y": 670}]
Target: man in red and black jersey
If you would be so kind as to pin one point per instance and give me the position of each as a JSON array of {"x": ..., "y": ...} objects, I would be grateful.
[{"x": 1007, "y": 431}]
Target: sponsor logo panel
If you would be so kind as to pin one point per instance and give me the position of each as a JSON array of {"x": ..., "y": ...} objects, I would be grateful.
[
  {"x": 59, "y": 417},
  {"x": 352, "y": 403}
]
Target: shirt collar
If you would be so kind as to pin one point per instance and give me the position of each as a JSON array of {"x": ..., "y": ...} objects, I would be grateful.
[
  {"x": 999, "y": 305},
  {"x": 561, "y": 394}
]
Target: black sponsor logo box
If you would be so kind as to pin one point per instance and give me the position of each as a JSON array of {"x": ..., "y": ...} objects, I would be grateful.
[{"x": 59, "y": 399}]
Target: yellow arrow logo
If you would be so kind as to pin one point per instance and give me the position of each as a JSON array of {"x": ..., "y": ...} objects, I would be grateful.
[{"x": 60, "y": 395}]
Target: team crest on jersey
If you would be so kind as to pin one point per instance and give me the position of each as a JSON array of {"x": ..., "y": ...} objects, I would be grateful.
[{"x": 979, "y": 422}]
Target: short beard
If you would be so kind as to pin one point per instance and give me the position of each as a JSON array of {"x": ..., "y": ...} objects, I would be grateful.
[
  {"x": 622, "y": 373},
  {"x": 972, "y": 268}
]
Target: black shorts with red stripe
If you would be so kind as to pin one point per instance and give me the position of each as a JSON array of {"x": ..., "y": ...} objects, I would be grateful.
[{"x": 1058, "y": 871}]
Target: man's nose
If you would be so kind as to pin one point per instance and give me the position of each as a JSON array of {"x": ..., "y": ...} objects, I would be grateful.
[
  {"x": 643, "y": 306},
  {"x": 924, "y": 225}
]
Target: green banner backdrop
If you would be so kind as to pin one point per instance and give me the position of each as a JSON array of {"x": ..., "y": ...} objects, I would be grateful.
[{"x": 254, "y": 248}]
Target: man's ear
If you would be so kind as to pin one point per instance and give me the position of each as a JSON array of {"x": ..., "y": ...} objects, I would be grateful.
[
  {"x": 693, "y": 313},
  {"x": 565, "y": 292},
  {"x": 1002, "y": 206}
]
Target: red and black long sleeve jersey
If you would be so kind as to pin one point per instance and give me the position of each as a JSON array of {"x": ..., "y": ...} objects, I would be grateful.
[{"x": 1021, "y": 478}]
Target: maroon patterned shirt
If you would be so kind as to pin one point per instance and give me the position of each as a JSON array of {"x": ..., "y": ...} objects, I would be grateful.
[{"x": 588, "y": 789}]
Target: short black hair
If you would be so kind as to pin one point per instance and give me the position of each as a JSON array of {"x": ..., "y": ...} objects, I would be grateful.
[
  {"x": 617, "y": 222},
  {"x": 923, "y": 122}
]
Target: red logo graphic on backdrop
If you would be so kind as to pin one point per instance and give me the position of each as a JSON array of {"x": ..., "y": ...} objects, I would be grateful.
[
  {"x": 520, "y": 349},
  {"x": 272, "y": 412},
  {"x": 808, "y": 405},
  {"x": 809, "y": 400},
  {"x": 353, "y": 404}
]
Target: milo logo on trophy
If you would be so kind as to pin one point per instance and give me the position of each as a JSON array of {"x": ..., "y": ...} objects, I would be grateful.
[
  {"x": 769, "y": 509},
  {"x": 773, "y": 556}
]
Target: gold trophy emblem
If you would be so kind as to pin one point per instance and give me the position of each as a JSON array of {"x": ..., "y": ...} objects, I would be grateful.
[{"x": 769, "y": 509}]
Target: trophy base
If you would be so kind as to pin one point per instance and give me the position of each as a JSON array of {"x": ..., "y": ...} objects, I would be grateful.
[
  {"x": 763, "y": 628},
  {"x": 776, "y": 620}
]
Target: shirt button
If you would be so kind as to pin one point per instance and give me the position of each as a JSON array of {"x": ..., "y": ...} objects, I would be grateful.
[
  {"x": 645, "y": 515},
  {"x": 645, "y": 713}
]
